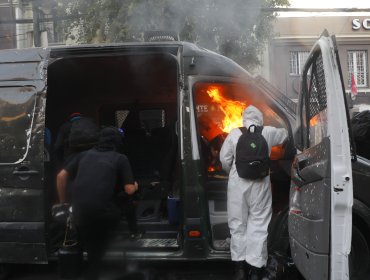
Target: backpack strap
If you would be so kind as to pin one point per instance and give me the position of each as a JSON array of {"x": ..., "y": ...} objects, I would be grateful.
[
  {"x": 243, "y": 129},
  {"x": 258, "y": 129}
]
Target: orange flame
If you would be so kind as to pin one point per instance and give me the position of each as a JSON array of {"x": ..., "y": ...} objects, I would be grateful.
[
  {"x": 315, "y": 120},
  {"x": 232, "y": 109}
]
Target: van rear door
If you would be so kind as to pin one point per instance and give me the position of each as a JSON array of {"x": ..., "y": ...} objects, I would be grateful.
[
  {"x": 22, "y": 200},
  {"x": 320, "y": 217}
]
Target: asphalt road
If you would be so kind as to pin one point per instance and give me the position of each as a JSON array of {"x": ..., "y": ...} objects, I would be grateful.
[{"x": 217, "y": 270}]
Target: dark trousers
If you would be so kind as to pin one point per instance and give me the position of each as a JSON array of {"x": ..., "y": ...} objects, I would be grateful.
[
  {"x": 95, "y": 231},
  {"x": 127, "y": 204}
]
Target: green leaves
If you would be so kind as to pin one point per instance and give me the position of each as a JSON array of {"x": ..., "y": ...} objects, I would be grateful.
[{"x": 238, "y": 29}]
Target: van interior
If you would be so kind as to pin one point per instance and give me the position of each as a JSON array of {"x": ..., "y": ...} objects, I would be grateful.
[{"x": 138, "y": 92}]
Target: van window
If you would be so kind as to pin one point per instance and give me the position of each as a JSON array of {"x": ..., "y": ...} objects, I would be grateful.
[
  {"x": 17, "y": 105},
  {"x": 148, "y": 119},
  {"x": 219, "y": 108},
  {"x": 153, "y": 118},
  {"x": 318, "y": 124}
]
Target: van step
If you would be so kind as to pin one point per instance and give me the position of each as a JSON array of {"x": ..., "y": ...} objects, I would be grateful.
[
  {"x": 222, "y": 245},
  {"x": 147, "y": 243},
  {"x": 147, "y": 234},
  {"x": 163, "y": 225}
]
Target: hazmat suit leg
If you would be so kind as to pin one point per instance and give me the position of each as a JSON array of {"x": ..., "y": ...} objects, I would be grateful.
[
  {"x": 249, "y": 212},
  {"x": 259, "y": 201},
  {"x": 237, "y": 218}
]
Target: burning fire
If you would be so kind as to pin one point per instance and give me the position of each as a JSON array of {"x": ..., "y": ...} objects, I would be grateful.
[{"x": 232, "y": 109}]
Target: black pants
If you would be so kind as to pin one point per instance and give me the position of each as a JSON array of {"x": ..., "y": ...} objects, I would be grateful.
[
  {"x": 95, "y": 230},
  {"x": 128, "y": 207}
]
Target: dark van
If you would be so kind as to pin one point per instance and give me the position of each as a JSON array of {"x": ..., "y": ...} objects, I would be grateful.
[{"x": 162, "y": 94}]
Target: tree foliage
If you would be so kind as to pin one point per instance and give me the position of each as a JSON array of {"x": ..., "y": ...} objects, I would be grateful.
[{"x": 238, "y": 29}]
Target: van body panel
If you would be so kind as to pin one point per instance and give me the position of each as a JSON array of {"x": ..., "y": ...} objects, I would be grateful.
[
  {"x": 23, "y": 65},
  {"x": 22, "y": 116},
  {"x": 321, "y": 194}
]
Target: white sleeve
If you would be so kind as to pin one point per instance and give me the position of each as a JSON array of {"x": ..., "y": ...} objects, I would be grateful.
[
  {"x": 227, "y": 154},
  {"x": 279, "y": 135}
]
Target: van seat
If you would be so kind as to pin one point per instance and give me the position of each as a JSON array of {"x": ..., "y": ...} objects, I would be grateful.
[{"x": 164, "y": 148}]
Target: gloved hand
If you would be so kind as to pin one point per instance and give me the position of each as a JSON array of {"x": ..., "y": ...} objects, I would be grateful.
[{"x": 59, "y": 212}]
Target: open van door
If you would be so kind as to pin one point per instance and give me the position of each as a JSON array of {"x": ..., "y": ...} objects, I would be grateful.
[
  {"x": 320, "y": 216},
  {"x": 22, "y": 199}
]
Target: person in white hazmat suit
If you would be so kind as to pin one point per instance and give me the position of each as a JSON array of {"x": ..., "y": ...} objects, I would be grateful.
[{"x": 249, "y": 201}]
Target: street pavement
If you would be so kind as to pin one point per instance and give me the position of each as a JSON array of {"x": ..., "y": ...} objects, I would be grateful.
[
  {"x": 160, "y": 270},
  {"x": 215, "y": 270}
]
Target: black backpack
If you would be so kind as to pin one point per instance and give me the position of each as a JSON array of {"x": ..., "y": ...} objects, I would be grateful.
[
  {"x": 84, "y": 134},
  {"x": 252, "y": 154}
]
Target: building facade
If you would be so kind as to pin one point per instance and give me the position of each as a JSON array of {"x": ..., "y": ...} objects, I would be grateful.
[
  {"x": 7, "y": 28},
  {"x": 29, "y": 23},
  {"x": 295, "y": 36}
]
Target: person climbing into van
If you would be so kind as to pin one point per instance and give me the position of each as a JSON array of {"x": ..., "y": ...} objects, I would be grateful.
[
  {"x": 94, "y": 175},
  {"x": 249, "y": 200}
]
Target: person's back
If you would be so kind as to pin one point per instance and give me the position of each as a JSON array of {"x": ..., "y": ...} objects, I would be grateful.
[
  {"x": 248, "y": 201},
  {"x": 98, "y": 175},
  {"x": 95, "y": 175}
]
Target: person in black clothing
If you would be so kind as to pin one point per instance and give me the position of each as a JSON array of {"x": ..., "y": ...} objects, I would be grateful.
[
  {"x": 127, "y": 201},
  {"x": 76, "y": 135},
  {"x": 62, "y": 150},
  {"x": 94, "y": 176}
]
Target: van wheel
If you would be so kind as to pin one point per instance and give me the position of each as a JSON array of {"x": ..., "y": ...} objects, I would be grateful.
[
  {"x": 359, "y": 258},
  {"x": 4, "y": 271}
]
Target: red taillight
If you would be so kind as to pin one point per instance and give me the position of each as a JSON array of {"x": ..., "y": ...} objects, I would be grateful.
[{"x": 194, "y": 233}]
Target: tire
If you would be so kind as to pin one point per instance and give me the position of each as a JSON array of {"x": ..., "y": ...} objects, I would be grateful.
[{"x": 359, "y": 258}]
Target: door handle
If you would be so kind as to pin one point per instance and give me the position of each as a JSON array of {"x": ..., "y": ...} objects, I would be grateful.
[
  {"x": 297, "y": 166},
  {"x": 25, "y": 172},
  {"x": 302, "y": 164}
]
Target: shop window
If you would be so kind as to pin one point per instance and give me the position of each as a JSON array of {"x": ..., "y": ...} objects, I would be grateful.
[
  {"x": 357, "y": 65},
  {"x": 297, "y": 61}
]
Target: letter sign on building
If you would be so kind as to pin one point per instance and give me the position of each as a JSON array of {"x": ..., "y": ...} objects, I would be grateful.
[
  {"x": 356, "y": 24},
  {"x": 366, "y": 24}
]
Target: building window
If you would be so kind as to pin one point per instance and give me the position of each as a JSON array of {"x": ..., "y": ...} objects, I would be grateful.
[
  {"x": 297, "y": 61},
  {"x": 357, "y": 65}
]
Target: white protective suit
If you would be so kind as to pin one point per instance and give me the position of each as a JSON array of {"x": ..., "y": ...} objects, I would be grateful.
[{"x": 249, "y": 201}]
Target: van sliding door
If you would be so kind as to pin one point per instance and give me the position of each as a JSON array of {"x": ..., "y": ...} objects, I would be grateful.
[{"x": 22, "y": 201}]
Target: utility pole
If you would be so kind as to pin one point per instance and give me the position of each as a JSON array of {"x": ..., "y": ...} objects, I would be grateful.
[{"x": 36, "y": 23}]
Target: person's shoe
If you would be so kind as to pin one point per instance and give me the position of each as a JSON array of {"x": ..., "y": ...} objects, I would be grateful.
[
  {"x": 267, "y": 275},
  {"x": 240, "y": 273},
  {"x": 256, "y": 273}
]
